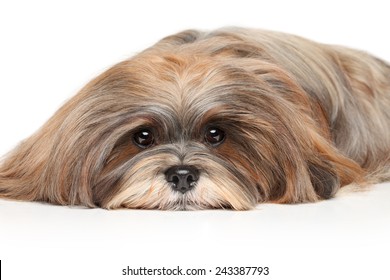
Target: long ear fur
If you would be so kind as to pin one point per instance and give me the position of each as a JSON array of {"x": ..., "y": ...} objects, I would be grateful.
[
  {"x": 311, "y": 168},
  {"x": 317, "y": 169},
  {"x": 59, "y": 163},
  {"x": 31, "y": 171}
]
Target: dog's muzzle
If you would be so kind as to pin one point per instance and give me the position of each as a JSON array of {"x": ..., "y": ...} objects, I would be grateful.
[{"x": 182, "y": 178}]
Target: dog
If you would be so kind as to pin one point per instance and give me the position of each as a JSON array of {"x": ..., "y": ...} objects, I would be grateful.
[{"x": 204, "y": 120}]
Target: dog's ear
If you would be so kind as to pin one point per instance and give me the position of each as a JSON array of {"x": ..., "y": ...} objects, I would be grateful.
[
  {"x": 48, "y": 166},
  {"x": 306, "y": 164},
  {"x": 61, "y": 162},
  {"x": 312, "y": 169},
  {"x": 57, "y": 162},
  {"x": 319, "y": 177}
]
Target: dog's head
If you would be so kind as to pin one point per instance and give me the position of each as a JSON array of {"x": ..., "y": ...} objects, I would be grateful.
[{"x": 191, "y": 123}]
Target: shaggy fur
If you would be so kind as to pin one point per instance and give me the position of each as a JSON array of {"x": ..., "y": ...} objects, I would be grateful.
[{"x": 301, "y": 120}]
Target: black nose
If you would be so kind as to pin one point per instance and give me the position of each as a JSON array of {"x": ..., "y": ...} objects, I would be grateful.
[{"x": 182, "y": 177}]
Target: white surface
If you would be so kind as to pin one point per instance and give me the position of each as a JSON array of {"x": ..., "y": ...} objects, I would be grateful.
[
  {"x": 49, "y": 50},
  {"x": 346, "y": 237}
]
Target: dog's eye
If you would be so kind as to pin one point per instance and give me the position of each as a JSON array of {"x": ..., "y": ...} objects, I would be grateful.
[
  {"x": 144, "y": 138},
  {"x": 214, "y": 136}
]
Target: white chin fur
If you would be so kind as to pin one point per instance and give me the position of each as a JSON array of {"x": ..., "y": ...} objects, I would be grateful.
[{"x": 156, "y": 193}]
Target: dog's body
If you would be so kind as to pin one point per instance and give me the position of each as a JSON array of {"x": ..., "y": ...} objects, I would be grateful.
[{"x": 226, "y": 119}]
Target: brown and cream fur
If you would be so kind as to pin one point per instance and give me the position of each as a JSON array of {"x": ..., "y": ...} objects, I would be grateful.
[{"x": 302, "y": 119}]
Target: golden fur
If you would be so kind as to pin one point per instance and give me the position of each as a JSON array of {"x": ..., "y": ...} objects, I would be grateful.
[{"x": 301, "y": 119}]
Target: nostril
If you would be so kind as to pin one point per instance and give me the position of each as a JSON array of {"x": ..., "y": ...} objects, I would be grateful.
[
  {"x": 190, "y": 179},
  {"x": 175, "y": 180}
]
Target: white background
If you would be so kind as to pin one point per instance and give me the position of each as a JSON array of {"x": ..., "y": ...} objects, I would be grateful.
[{"x": 50, "y": 49}]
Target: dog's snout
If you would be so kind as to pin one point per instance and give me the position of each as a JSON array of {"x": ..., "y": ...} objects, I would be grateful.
[{"x": 182, "y": 178}]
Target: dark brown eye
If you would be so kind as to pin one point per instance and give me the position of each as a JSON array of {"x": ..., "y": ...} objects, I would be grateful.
[
  {"x": 214, "y": 136},
  {"x": 144, "y": 138}
]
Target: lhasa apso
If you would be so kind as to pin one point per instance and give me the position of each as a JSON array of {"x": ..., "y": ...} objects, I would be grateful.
[{"x": 222, "y": 119}]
